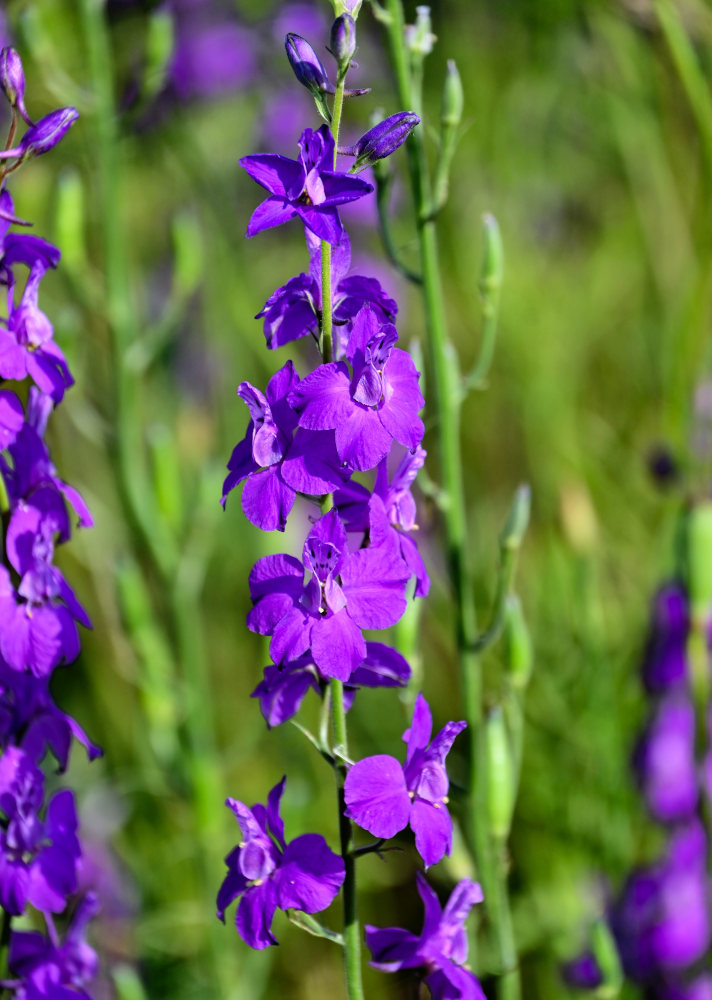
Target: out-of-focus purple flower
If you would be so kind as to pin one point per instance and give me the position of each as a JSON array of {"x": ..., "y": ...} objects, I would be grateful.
[
  {"x": 662, "y": 921},
  {"x": 50, "y": 969},
  {"x": 12, "y": 80},
  {"x": 584, "y": 972},
  {"x": 665, "y": 662},
  {"x": 441, "y": 949},
  {"x": 304, "y": 18},
  {"x": 383, "y": 139},
  {"x": 665, "y": 761},
  {"x": 353, "y": 501},
  {"x": 281, "y": 118},
  {"x": 345, "y": 593},
  {"x": 369, "y": 407},
  {"x": 268, "y": 874},
  {"x": 307, "y": 66},
  {"x": 384, "y": 796},
  {"x": 211, "y": 59},
  {"x": 44, "y": 135},
  {"x": 697, "y": 988},
  {"x": 38, "y": 860},
  {"x": 307, "y": 188},
  {"x": 283, "y": 688},
  {"x": 293, "y": 310},
  {"x": 276, "y": 462}
]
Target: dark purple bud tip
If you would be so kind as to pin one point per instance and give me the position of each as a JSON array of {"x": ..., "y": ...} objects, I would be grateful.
[
  {"x": 342, "y": 42},
  {"x": 12, "y": 79},
  {"x": 307, "y": 66},
  {"x": 47, "y": 132},
  {"x": 384, "y": 139}
]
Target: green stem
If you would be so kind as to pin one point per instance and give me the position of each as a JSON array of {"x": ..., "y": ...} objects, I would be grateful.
[
  {"x": 447, "y": 403},
  {"x": 327, "y": 334},
  {"x": 352, "y": 931}
]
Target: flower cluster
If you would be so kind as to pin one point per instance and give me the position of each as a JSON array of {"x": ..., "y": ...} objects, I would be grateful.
[
  {"x": 344, "y": 439},
  {"x": 662, "y": 920},
  {"x": 39, "y": 846}
]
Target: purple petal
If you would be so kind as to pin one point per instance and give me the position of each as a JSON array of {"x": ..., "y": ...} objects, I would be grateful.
[
  {"x": 277, "y": 174},
  {"x": 276, "y": 574},
  {"x": 291, "y": 636},
  {"x": 240, "y": 466},
  {"x": 375, "y": 596},
  {"x": 341, "y": 188},
  {"x": 361, "y": 439},
  {"x": 310, "y": 875},
  {"x": 431, "y": 905},
  {"x": 234, "y": 884},
  {"x": 376, "y": 795},
  {"x": 267, "y": 500},
  {"x": 312, "y": 465},
  {"x": 254, "y": 916},
  {"x": 442, "y": 743},
  {"x": 282, "y": 690},
  {"x": 464, "y": 896},
  {"x": 392, "y": 948},
  {"x": 337, "y": 645},
  {"x": 274, "y": 820},
  {"x": 323, "y": 222},
  {"x": 323, "y": 399},
  {"x": 432, "y": 827},
  {"x": 11, "y": 417},
  {"x": 272, "y": 212},
  {"x": 382, "y": 667},
  {"x": 451, "y": 982},
  {"x": 418, "y": 736}
]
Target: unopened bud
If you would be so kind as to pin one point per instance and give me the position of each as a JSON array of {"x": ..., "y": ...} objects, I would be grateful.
[
  {"x": 383, "y": 139},
  {"x": 48, "y": 131},
  {"x": 517, "y": 519},
  {"x": 342, "y": 42},
  {"x": 307, "y": 65},
  {"x": 453, "y": 97},
  {"x": 12, "y": 80},
  {"x": 419, "y": 36},
  {"x": 351, "y": 7}
]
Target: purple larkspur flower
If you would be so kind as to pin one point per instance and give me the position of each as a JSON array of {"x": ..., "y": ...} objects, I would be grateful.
[
  {"x": 665, "y": 761},
  {"x": 275, "y": 462},
  {"x": 283, "y": 688},
  {"x": 396, "y": 511},
  {"x": 665, "y": 660},
  {"x": 211, "y": 57},
  {"x": 294, "y": 310},
  {"x": 384, "y": 796},
  {"x": 440, "y": 950},
  {"x": 30, "y": 718},
  {"x": 50, "y": 969},
  {"x": 20, "y": 248},
  {"x": 345, "y": 593},
  {"x": 308, "y": 188},
  {"x": 266, "y": 873},
  {"x": 662, "y": 921},
  {"x": 697, "y": 988},
  {"x": 369, "y": 407},
  {"x": 583, "y": 972},
  {"x": 38, "y": 859}
]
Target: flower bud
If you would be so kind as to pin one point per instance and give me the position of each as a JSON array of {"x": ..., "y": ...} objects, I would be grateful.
[
  {"x": 342, "y": 42},
  {"x": 307, "y": 66},
  {"x": 419, "y": 37},
  {"x": 47, "y": 132},
  {"x": 12, "y": 79},
  {"x": 453, "y": 97},
  {"x": 384, "y": 139},
  {"x": 519, "y": 653}
]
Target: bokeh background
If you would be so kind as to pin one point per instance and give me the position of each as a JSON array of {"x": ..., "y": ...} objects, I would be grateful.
[{"x": 591, "y": 143}]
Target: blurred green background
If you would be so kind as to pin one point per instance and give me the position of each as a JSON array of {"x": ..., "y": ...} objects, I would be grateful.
[{"x": 591, "y": 141}]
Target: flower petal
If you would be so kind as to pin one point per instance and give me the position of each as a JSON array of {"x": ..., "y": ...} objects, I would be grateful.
[
  {"x": 376, "y": 795},
  {"x": 432, "y": 827},
  {"x": 310, "y": 875}
]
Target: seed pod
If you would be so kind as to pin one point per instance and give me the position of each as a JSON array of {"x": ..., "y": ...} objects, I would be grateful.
[
  {"x": 453, "y": 97},
  {"x": 500, "y": 775},
  {"x": 519, "y": 653},
  {"x": 699, "y": 560}
]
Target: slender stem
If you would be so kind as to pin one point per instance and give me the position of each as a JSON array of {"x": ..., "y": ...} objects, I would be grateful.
[
  {"x": 352, "y": 930},
  {"x": 447, "y": 402},
  {"x": 327, "y": 323}
]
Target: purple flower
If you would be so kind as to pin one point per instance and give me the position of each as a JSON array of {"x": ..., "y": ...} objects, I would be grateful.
[
  {"x": 283, "y": 688},
  {"x": 396, "y": 512},
  {"x": 698, "y": 988},
  {"x": 376, "y": 403},
  {"x": 38, "y": 860},
  {"x": 440, "y": 950},
  {"x": 384, "y": 796},
  {"x": 276, "y": 462},
  {"x": 294, "y": 310},
  {"x": 662, "y": 921},
  {"x": 308, "y": 188},
  {"x": 210, "y": 58},
  {"x": 54, "y": 970},
  {"x": 583, "y": 972},
  {"x": 345, "y": 593},
  {"x": 44, "y": 135},
  {"x": 384, "y": 139},
  {"x": 665, "y": 662},
  {"x": 665, "y": 761},
  {"x": 268, "y": 874}
]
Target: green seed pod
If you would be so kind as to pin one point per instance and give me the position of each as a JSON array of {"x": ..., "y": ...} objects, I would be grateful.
[
  {"x": 500, "y": 775},
  {"x": 606, "y": 955},
  {"x": 519, "y": 654},
  {"x": 453, "y": 97},
  {"x": 698, "y": 537}
]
